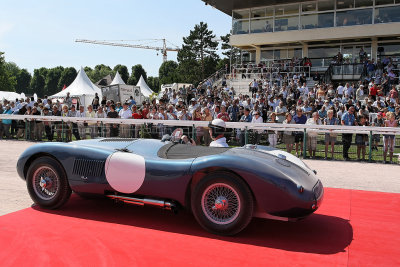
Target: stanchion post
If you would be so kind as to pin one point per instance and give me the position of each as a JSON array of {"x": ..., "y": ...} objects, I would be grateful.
[
  {"x": 142, "y": 130},
  {"x": 194, "y": 132},
  {"x": 26, "y": 129},
  {"x": 370, "y": 146},
  {"x": 246, "y": 136},
  {"x": 305, "y": 144},
  {"x": 62, "y": 131}
]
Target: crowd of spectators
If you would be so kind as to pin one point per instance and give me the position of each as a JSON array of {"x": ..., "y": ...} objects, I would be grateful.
[{"x": 367, "y": 102}]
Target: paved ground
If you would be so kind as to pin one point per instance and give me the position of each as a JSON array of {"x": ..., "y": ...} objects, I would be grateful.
[{"x": 337, "y": 174}]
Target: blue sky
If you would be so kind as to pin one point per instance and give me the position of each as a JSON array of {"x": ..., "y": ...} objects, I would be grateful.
[{"x": 36, "y": 34}]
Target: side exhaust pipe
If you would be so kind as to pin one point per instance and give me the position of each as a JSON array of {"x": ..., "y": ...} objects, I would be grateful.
[{"x": 166, "y": 205}]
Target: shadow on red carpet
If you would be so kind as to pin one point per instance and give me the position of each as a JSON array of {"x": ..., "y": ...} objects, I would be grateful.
[{"x": 319, "y": 234}]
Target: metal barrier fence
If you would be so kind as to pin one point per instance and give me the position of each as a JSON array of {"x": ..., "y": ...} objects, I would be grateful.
[{"x": 367, "y": 139}]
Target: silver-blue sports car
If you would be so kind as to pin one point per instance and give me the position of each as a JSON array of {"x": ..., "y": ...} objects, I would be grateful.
[{"x": 224, "y": 188}]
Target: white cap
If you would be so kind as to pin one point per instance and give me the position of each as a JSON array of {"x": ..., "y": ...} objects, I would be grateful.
[{"x": 219, "y": 123}]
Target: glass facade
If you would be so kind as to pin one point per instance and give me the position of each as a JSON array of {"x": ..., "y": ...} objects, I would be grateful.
[
  {"x": 281, "y": 53},
  {"x": 315, "y": 14},
  {"x": 387, "y": 14}
]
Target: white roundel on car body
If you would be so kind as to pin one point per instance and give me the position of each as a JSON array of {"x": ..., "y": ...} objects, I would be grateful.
[{"x": 125, "y": 172}]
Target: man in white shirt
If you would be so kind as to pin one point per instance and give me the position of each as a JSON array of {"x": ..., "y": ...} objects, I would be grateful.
[
  {"x": 125, "y": 113},
  {"x": 257, "y": 118},
  {"x": 280, "y": 112},
  {"x": 217, "y": 131},
  {"x": 340, "y": 90}
]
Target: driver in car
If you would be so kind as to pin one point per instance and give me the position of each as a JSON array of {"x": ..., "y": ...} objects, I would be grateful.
[{"x": 217, "y": 131}]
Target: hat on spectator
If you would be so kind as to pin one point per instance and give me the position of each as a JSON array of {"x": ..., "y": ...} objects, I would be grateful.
[{"x": 193, "y": 99}]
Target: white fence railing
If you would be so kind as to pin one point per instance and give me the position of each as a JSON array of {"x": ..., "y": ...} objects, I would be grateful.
[{"x": 234, "y": 125}]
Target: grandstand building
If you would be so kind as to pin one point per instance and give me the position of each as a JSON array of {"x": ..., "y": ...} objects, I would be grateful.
[{"x": 271, "y": 30}]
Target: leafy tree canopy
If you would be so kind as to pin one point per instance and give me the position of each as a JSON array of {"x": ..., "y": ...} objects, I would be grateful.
[
  {"x": 168, "y": 72},
  {"x": 123, "y": 71},
  {"x": 198, "y": 54},
  {"x": 7, "y": 80},
  {"x": 68, "y": 75},
  {"x": 137, "y": 71}
]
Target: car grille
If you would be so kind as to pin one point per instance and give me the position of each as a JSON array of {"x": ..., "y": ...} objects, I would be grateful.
[
  {"x": 318, "y": 189},
  {"x": 85, "y": 167}
]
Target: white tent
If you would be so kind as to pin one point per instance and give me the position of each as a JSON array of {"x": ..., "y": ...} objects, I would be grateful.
[
  {"x": 144, "y": 88},
  {"x": 11, "y": 96},
  {"x": 117, "y": 79},
  {"x": 82, "y": 87}
]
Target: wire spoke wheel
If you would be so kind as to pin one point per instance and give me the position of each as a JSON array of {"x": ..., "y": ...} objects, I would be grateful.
[
  {"x": 45, "y": 182},
  {"x": 220, "y": 203}
]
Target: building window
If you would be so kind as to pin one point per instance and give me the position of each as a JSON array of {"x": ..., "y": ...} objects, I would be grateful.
[
  {"x": 364, "y": 3},
  {"x": 309, "y": 7},
  {"x": 261, "y": 25},
  {"x": 321, "y": 20},
  {"x": 391, "y": 49},
  {"x": 287, "y": 23},
  {"x": 387, "y": 14},
  {"x": 384, "y": 2},
  {"x": 240, "y": 27},
  {"x": 287, "y": 10},
  {"x": 326, "y": 5},
  {"x": 343, "y": 4},
  {"x": 354, "y": 17}
]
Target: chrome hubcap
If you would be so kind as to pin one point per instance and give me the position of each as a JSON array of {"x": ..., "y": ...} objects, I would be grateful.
[
  {"x": 45, "y": 182},
  {"x": 220, "y": 203}
]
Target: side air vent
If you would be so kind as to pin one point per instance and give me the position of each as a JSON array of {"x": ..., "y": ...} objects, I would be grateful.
[
  {"x": 85, "y": 167},
  {"x": 118, "y": 140}
]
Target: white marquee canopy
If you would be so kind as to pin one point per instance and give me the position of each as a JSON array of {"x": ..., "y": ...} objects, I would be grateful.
[
  {"x": 144, "y": 88},
  {"x": 10, "y": 96},
  {"x": 117, "y": 79},
  {"x": 82, "y": 88}
]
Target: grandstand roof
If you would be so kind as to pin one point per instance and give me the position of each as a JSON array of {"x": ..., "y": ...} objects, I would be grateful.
[{"x": 227, "y": 6}]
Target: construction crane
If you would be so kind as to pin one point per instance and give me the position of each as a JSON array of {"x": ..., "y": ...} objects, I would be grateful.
[{"x": 162, "y": 49}]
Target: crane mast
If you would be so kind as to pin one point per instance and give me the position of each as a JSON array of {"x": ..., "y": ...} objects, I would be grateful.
[{"x": 162, "y": 49}]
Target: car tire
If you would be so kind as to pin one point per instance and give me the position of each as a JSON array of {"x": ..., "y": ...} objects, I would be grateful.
[
  {"x": 47, "y": 183},
  {"x": 222, "y": 203}
]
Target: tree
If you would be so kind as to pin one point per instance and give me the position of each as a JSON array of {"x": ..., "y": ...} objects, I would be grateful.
[
  {"x": 12, "y": 69},
  {"x": 198, "y": 52},
  {"x": 23, "y": 81},
  {"x": 52, "y": 79},
  {"x": 68, "y": 75},
  {"x": 38, "y": 82},
  {"x": 168, "y": 72},
  {"x": 137, "y": 71},
  {"x": 154, "y": 83},
  {"x": 7, "y": 81},
  {"x": 231, "y": 53},
  {"x": 99, "y": 72},
  {"x": 123, "y": 71}
]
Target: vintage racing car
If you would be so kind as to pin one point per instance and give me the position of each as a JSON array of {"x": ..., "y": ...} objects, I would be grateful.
[{"x": 223, "y": 187}]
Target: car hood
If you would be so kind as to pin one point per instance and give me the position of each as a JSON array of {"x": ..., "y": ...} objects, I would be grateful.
[
  {"x": 283, "y": 155},
  {"x": 106, "y": 143}
]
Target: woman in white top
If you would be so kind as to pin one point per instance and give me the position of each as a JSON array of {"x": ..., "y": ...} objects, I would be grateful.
[{"x": 257, "y": 118}]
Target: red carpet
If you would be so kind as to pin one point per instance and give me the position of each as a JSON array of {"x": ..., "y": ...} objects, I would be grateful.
[{"x": 352, "y": 228}]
